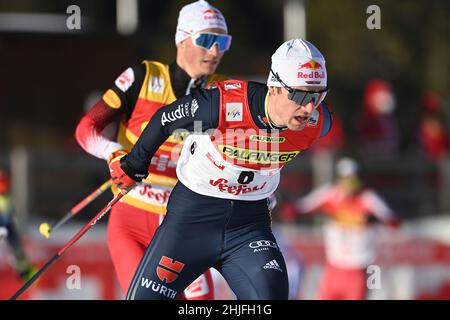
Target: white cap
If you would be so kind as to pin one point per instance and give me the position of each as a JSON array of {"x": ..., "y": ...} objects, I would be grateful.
[
  {"x": 346, "y": 167},
  {"x": 198, "y": 16},
  {"x": 298, "y": 63}
]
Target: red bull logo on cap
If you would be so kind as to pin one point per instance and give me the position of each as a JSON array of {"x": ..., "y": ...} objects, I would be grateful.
[
  {"x": 212, "y": 14},
  {"x": 312, "y": 65},
  {"x": 313, "y": 72},
  {"x": 212, "y": 11}
]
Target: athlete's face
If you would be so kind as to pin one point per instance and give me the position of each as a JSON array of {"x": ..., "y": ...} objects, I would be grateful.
[
  {"x": 198, "y": 61},
  {"x": 286, "y": 113},
  {"x": 349, "y": 185}
]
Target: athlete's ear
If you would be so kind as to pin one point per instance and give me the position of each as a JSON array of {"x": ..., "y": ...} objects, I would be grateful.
[
  {"x": 183, "y": 43},
  {"x": 274, "y": 90}
]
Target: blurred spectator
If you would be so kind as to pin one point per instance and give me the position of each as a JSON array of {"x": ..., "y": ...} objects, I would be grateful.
[
  {"x": 350, "y": 233},
  {"x": 432, "y": 132},
  {"x": 377, "y": 127},
  {"x": 9, "y": 231}
]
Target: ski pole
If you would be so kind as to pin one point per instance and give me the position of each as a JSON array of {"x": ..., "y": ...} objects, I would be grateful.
[
  {"x": 45, "y": 229},
  {"x": 80, "y": 233}
]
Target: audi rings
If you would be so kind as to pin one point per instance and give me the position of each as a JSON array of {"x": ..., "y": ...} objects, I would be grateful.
[{"x": 263, "y": 243}]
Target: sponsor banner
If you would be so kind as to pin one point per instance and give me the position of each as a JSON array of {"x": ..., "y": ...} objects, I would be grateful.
[
  {"x": 257, "y": 156},
  {"x": 267, "y": 139},
  {"x": 223, "y": 186},
  {"x": 90, "y": 256},
  {"x": 151, "y": 194},
  {"x": 412, "y": 267}
]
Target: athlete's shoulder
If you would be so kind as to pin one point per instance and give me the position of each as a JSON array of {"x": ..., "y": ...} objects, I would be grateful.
[
  {"x": 257, "y": 86},
  {"x": 370, "y": 194},
  {"x": 155, "y": 67},
  {"x": 133, "y": 74},
  {"x": 227, "y": 84},
  {"x": 326, "y": 188},
  {"x": 256, "y": 93}
]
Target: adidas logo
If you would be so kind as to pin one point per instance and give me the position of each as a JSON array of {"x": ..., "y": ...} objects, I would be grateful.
[{"x": 273, "y": 265}]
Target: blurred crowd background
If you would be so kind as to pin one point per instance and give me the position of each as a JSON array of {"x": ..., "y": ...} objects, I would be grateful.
[{"x": 389, "y": 91}]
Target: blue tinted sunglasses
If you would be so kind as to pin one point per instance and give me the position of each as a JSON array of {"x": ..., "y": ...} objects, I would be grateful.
[{"x": 206, "y": 40}]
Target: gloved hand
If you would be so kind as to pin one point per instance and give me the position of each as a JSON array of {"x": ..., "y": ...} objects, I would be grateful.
[
  {"x": 25, "y": 269},
  {"x": 122, "y": 175}
]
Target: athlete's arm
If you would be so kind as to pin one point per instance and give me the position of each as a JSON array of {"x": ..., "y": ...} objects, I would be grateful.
[
  {"x": 117, "y": 102},
  {"x": 314, "y": 200},
  {"x": 89, "y": 131},
  {"x": 197, "y": 111},
  {"x": 379, "y": 208}
]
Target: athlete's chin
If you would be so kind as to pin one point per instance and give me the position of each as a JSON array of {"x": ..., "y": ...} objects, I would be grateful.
[
  {"x": 209, "y": 68},
  {"x": 296, "y": 126}
]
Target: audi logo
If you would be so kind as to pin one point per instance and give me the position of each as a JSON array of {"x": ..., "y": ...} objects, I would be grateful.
[{"x": 262, "y": 243}]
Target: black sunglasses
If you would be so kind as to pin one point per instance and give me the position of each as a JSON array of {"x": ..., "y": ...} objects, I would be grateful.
[{"x": 302, "y": 97}]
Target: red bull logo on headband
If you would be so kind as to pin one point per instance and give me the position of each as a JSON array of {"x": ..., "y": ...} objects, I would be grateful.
[{"x": 314, "y": 70}]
